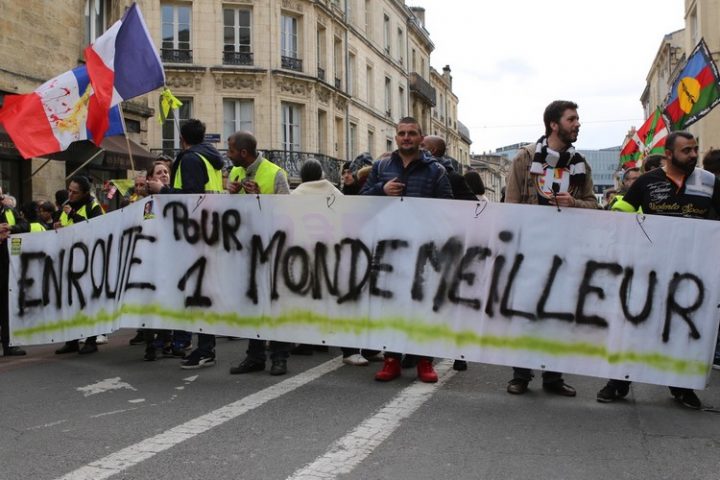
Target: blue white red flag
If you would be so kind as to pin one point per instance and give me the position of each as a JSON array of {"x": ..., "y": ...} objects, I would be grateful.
[
  {"x": 123, "y": 63},
  {"x": 53, "y": 116}
]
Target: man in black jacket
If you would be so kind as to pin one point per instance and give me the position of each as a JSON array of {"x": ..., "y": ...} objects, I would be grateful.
[{"x": 10, "y": 222}]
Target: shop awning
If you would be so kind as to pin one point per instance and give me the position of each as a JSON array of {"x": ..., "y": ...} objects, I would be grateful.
[{"x": 115, "y": 157}]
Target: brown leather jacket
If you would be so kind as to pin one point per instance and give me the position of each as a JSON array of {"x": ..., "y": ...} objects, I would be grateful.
[{"x": 521, "y": 188}]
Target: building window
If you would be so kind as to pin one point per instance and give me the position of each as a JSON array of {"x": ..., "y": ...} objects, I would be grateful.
[
  {"x": 338, "y": 61},
  {"x": 386, "y": 34},
  {"x": 176, "y": 39},
  {"x": 237, "y": 116},
  {"x": 388, "y": 145},
  {"x": 352, "y": 73},
  {"x": 414, "y": 61},
  {"x": 95, "y": 19},
  {"x": 368, "y": 19},
  {"x": 353, "y": 141},
  {"x": 388, "y": 97},
  {"x": 401, "y": 101},
  {"x": 291, "y": 127},
  {"x": 237, "y": 36},
  {"x": 371, "y": 142},
  {"x": 132, "y": 126},
  {"x": 400, "y": 45},
  {"x": 369, "y": 85},
  {"x": 289, "y": 43},
  {"x": 321, "y": 52},
  {"x": 322, "y": 132},
  {"x": 171, "y": 127}
]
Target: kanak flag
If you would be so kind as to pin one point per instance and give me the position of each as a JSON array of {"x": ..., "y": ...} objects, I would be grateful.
[
  {"x": 122, "y": 63},
  {"x": 49, "y": 119},
  {"x": 695, "y": 91}
]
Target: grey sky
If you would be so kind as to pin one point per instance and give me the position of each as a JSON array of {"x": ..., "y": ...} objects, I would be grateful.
[{"x": 510, "y": 58}]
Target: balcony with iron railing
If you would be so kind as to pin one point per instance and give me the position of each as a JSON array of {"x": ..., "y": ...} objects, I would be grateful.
[
  {"x": 338, "y": 83},
  {"x": 420, "y": 86},
  {"x": 292, "y": 63},
  {"x": 321, "y": 73},
  {"x": 174, "y": 55},
  {"x": 237, "y": 58}
]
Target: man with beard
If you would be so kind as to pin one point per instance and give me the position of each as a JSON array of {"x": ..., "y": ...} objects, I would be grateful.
[
  {"x": 551, "y": 173},
  {"x": 407, "y": 172},
  {"x": 677, "y": 189}
]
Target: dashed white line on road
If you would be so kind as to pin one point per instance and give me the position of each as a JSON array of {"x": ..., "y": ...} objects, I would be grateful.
[
  {"x": 134, "y": 454},
  {"x": 346, "y": 453},
  {"x": 105, "y": 386}
]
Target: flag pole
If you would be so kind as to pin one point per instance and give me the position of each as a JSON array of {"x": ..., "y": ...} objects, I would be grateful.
[
  {"x": 85, "y": 163},
  {"x": 127, "y": 140}
]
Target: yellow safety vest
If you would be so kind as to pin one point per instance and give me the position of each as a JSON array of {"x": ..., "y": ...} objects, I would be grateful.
[
  {"x": 10, "y": 217},
  {"x": 264, "y": 176},
  {"x": 82, "y": 211},
  {"x": 620, "y": 205},
  {"x": 37, "y": 227},
  {"x": 214, "y": 183}
]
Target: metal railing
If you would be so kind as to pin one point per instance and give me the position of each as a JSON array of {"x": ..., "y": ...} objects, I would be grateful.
[
  {"x": 292, "y": 63},
  {"x": 338, "y": 83},
  {"x": 176, "y": 56},
  {"x": 321, "y": 73},
  {"x": 421, "y": 86},
  {"x": 291, "y": 162},
  {"x": 237, "y": 58}
]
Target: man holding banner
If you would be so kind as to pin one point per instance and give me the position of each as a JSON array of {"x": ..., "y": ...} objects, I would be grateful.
[
  {"x": 407, "y": 172},
  {"x": 551, "y": 173},
  {"x": 253, "y": 174},
  {"x": 10, "y": 222},
  {"x": 680, "y": 190}
]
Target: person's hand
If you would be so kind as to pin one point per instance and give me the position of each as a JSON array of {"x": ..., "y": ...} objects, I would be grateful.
[
  {"x": 564, "y": 199},
  {"x": 57, "y": 225},
  {"x": 154, "y": 186},
  {"x": 4, "y": 231},
  {"x": 393, "y": 188},
  {"x": 67, "y": 209},
  {"x": 234, "y": 187},
  {"x": 250, "y": 186}
]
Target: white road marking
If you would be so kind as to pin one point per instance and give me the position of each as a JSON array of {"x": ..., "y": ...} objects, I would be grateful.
[
  {"x": 191, "y": 379},
  {"x": 113, "y": 412},
  {"x": 51, "y": 424},
  {"x": 134, "y": 454},
  {"x": 347, "y": 453},
  {"x": 104, "y": 386},
  {"x": 136, "y": 400}
]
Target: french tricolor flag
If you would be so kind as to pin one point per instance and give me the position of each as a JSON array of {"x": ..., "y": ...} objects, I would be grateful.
[
  {"x": 54, "y": 115},
  {"x": 122, "y": 63}
]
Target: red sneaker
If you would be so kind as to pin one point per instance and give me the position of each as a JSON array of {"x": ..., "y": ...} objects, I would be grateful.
[
  {"x": 390, "y": 371},
  {"x": 426, "y": 372}
]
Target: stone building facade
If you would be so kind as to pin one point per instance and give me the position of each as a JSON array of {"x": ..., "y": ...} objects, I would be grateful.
[
  {"x": 321, "y": 78},
  {"x": 40, "y": 40},
  {"x": 701, "y": 20},
  {"x": 444, "y": 117}
]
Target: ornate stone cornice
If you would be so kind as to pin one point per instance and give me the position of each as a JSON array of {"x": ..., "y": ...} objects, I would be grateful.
[
  {"x": 292, "y": 5},
  {"x": 238, "y": 81},
  {"x": 294, "y": 86},
  {"x": 188, "y": 80}
]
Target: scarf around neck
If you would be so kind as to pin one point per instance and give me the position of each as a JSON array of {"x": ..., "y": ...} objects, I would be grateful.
[{"x": 545, "y": 157}]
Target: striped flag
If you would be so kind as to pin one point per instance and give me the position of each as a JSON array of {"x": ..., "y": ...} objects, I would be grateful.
[
  {"x": 696, "y": 90},
  {"x": 648, "y": 140}
]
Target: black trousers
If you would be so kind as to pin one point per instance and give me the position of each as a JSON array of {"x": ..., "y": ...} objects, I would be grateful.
[{"x": 4, "y": 298}]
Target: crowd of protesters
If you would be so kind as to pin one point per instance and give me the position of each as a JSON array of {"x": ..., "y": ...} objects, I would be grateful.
[{"x": 550, "y": 172}]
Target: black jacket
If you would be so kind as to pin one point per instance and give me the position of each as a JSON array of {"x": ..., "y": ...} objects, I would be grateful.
[{"x": 194, "y": 173}]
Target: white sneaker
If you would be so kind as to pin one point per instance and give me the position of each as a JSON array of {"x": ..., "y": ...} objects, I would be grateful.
[
  {"x": 356, "y": 359},
  {"x": 101, "y": 339}
]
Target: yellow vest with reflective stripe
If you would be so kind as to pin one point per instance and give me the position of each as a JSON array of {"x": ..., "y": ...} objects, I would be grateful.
[
  {"x": 214, "y": 183},
  {"x": 37, "y": 227},
  {"x": 10, "y": 217},
  {"x": 620, "y": 205},
  {"x": 82, "y": 211},
  {"x": 264, "y": 176}
]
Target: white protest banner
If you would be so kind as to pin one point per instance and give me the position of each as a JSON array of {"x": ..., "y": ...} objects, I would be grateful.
[{"x": 588, "y": 292}]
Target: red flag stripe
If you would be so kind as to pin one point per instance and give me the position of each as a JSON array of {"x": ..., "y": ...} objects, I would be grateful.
[{"x": 20, "y": 116}]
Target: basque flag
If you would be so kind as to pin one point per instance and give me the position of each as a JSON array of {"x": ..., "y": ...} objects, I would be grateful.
[
  {"x": 53, "y": 116},
  {"x": 122, "y": 63}
]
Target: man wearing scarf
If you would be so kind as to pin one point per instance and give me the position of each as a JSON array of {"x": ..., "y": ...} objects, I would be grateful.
[{"x": 551, "y": 173}]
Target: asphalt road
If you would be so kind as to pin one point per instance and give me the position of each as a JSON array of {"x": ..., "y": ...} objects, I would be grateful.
[{"x": 112, "y": 415}]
